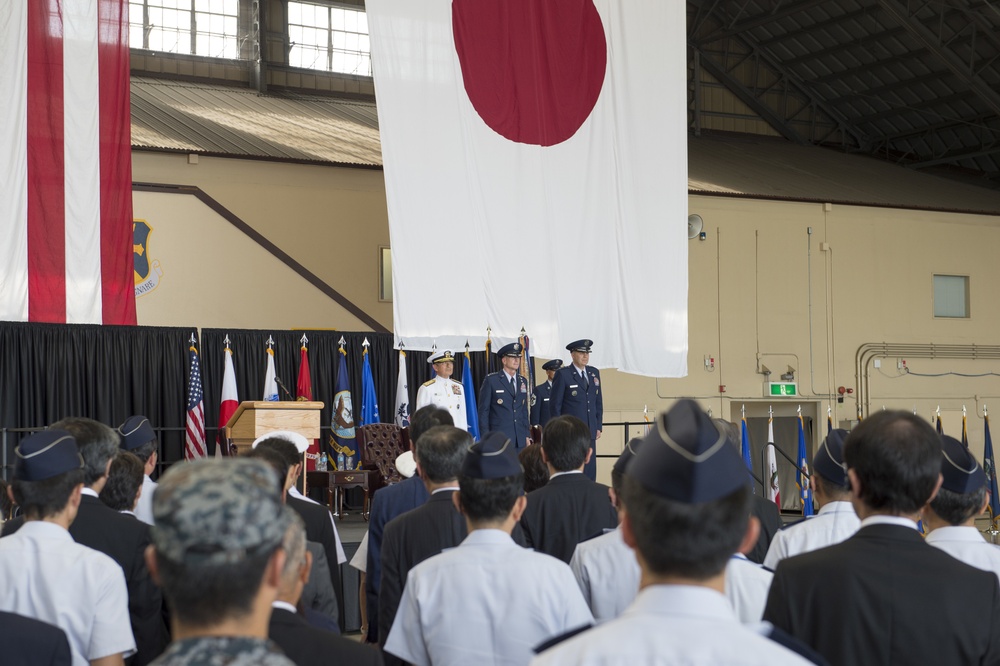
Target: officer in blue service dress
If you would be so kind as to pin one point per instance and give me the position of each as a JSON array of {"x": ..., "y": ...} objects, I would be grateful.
[
  {"x": 503, "y": 398},
  {"x": 541, "y": 410},
  {"x": 576, "y": 390}
]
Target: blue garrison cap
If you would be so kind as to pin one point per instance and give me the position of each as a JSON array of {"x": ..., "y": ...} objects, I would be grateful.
[
  {"x": 829, "y": 459},
  {"x": 46, "y": 454},
  {"x": 492, "y": 457},
  {"x": 135, "y": 432},
  {"x": 631, "y": 448},
  {"x": 580, "y": 345},
  {"x": 962, "y": 473},
  {"x": 687, "y": 458},
  {"x": 513, "y": 349},
  {"x": 554, "y": 364}
]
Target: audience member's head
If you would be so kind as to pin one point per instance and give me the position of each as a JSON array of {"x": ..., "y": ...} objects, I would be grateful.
[
  {"x": 536, "y": 472},
  {"x": 491, "y": 483},
  {"x": 426, "y": 418},
  {"x": 121, "y": 492},
  {"x": 618, "y": 471},
  {"x": 48, "y": 475},
  {"x": 278, "y": 463},
  {"x": 893, "y": 462},
  {"x": 287, "y": 450},
  {"x": 298, "y": 561},
  {"x": 566, "y": 443},
  {"x": 963, "y": 494},
  {"x": 97, "y": 442},
  {"x": 6, "y": 503},
  {"x": 829, "y": 478},
  {"x": 687, "y": 497},
  {"x": 218, "y": 535},
  {"x": 137, "y": 437},
  {"x": 440, "y": 452}
]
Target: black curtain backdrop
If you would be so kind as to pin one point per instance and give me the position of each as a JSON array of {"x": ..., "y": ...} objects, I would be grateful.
[
  {"x": 107, "y": 373},
  {"x": 250, "y": 364}
]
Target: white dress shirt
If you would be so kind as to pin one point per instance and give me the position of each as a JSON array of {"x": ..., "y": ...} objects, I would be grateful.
[
  {"x": 48, "y": 576},
  {"x": 144, "y": 509},
  {"x": 487, "y": 601},
  {"x": 608, "y": 574},
  {"x": 835, "y": 522},
  {"x": 747, "y": 584},
  {"x": 671, "y": 624},
  {"x": 967, "y": 545},
  {"x": 341, "y": 555}
]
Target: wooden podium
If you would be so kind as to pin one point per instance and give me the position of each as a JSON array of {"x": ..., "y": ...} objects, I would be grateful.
[{"x": 254, "y": 419}]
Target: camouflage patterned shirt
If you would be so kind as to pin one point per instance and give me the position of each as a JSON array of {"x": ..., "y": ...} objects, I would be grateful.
[{"x": 223, "y": 651}]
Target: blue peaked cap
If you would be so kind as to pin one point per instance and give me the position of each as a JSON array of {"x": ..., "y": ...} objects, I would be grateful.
[{"x": 687, "y": 458}]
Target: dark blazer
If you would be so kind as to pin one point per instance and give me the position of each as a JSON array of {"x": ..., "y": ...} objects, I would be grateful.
[
  {"x": 567, "y": 510},
  {"x": 541, "y": 408},
  {"x": 500, "y": 408},
  {"x": 319, "y": 528},
  {"x": 30, "y": 642},
  {"x": 770, "y": 522},
  {"x": 388, "y": 503},
  {"x": 410, "y": 539},
  {"x": 571, "y": 395},
  {"x": 884, "y": 596},
  {"x": 124, "y": 538},
  {"x": 307, "y": 645},
  {"x": 317, "y": 593}
]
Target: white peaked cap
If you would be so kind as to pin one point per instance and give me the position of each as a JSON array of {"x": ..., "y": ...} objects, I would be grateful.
[{"x": 300, "y": 442}]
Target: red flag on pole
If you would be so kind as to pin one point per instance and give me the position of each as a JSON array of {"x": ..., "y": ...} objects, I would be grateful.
[{"x": 304, "y": 391}]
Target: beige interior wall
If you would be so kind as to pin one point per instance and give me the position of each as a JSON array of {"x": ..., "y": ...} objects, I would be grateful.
[
  {"x": 749, "y": 288},
  {"x": 749, "y": 306},
  {"x": 331, "y": 220}
]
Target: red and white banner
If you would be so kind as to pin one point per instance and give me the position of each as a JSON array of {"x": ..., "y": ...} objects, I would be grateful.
[
  {"x": 66, "y": 165},
  {"x": 544, "y": 144},
  {"x": 230, "y": 399}
]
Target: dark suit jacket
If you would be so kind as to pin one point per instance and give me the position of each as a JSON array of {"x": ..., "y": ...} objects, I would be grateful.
[
  {"x": 317, "y": 593},
  {"x": 410, "y": 539},
  {"x": 541, "y": 410},
  {"x": 567, "y": 510},
  {"x": 319, "y": 528},
  {"x": 29, "y": 642},
  {"x": 770, "y": 522},
  {"x": 388, "y": 503},
  {"x": 307, "y": 645},
  {"x": 124, "y": 538},
  {"x": 500, "y": 408},
  {"x": 886, "y": 597}
]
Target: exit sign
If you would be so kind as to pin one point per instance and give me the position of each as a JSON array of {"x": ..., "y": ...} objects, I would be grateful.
[{"x": 782, "y": 389}]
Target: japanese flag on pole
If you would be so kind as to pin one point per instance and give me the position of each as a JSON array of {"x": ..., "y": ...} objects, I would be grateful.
[
  {"x": 65, "y": 163},
  {"x": 229, "y": 401},
  {"x": 533, "y": 125}
]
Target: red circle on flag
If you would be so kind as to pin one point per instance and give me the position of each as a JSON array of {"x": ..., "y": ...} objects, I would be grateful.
[{"x": 533, "y": 69}]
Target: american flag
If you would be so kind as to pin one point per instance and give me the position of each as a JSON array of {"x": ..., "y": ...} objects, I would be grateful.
[{"x": 194, "y": 439}]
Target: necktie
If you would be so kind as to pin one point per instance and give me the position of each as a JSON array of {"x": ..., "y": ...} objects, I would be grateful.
[
  {"x": 583, "y": 378},
  {"x": 513, "y": 385}
]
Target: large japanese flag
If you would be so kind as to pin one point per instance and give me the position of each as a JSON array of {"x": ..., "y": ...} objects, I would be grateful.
[
  {"x": 536, "y": 174},
  {"x": 65, "y": 163}
]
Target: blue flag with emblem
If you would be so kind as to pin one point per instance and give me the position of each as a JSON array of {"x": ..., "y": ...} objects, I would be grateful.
[
  {"x": 471, "y": 411},
  {"x": 342, "y": 418},
  {"x": 802, "y": 474},
  {"x": 745, "y": 447},
  {"x": 369, "y": 401},
  {"x": 989, "y": 466}
]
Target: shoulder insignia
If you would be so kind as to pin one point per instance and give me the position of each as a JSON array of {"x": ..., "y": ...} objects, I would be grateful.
[{"x": 428, "y": 383}]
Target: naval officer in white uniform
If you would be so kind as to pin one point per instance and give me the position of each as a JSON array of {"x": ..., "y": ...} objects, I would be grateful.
[{"x": 443, "y": 391}]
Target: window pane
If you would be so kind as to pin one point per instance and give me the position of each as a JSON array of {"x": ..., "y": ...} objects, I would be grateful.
[{"x": 951, "y": 296}]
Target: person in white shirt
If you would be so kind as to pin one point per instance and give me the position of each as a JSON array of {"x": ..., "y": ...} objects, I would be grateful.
[
  {"x": 836, "y": 520},
  {"x": 137, "y": 437},
  {"x": 47, "y": 575},
  {"x": 487, "y": 601},
  {"x": 951, "y": 515},
  {"x": 605, "y": 567},
  {"x": 444, "y": 391},
  {"x": 687, "y": 501}
]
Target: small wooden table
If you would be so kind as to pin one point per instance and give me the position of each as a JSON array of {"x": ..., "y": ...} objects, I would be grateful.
[{"x": 335, "y": 482}]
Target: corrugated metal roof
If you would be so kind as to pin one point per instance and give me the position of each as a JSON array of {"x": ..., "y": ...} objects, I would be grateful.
[
  {"x": 763, "y": 167},
  {"x": 213, "y": 119}
]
